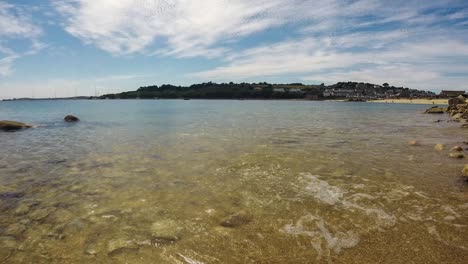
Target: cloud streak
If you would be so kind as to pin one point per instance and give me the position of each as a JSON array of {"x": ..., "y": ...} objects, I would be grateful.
[{"x": 16, "y": 24}]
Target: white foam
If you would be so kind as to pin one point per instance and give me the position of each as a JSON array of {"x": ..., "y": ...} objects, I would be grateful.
[
  {"x": 322, "y": 191},
  {"x": 321, "y": 235}
]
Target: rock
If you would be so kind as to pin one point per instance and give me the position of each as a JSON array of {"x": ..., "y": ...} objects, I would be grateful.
[
  {"x": 8, "y": 242},
  {"x": 41, "y": 214},
  {"x": 22, "y": 209},
  {"x": 465, "y": 171},
  {"x": 457, "y": 148},
  {"x": 92, "y": 248},
  {"x": 237, "y": 219},
  {"x": 462, "y": 107},
  {"x": 435, "y": 110},
  {"x": 15, "y": 230},
  {"x": 8, "y": 245},
  {"x": 439, "y": 147},
  {"x": 453, "y": 102},
  {"x": 457, "y": 116},
  {"x": 456, "y": 155},
  {"x": 118, "y": 245},
  {"x": 464, "y": 125},
  {"x": 414, "y": 143},
  {"x": 71, "y": 118},
  {"x": 13, "y": 125},
  {"x": 166, "y": 231}
]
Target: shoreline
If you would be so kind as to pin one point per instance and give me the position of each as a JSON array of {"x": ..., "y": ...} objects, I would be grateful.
[{"x": 412, "y": 101}]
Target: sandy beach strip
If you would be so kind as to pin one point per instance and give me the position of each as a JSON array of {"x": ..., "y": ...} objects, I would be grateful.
[{"x": 412, "y": 101}]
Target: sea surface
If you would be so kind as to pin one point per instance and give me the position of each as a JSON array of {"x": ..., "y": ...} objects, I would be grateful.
[{"x": 213, "y": 181}]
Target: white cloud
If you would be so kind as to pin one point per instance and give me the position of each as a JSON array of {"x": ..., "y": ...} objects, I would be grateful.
[
  {"x": 400, "y": 58},
  {"x": 16, "y": 24},
  {"x": 181, "y": 28}
]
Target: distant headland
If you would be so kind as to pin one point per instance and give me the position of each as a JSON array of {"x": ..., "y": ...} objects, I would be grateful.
[{"x": 349, "y": 91}]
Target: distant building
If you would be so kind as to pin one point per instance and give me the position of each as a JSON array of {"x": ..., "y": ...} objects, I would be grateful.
[
  {"x": 339, "y": 93},
  {"x": 295, "y": 90},
  {"x": 328, "y": 93},
  {"x": 448, "y": 93},
  {"x": 278, "y": 90}
]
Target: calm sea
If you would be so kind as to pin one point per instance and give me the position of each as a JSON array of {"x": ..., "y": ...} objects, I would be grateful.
[{"x": 201, "y": 181}]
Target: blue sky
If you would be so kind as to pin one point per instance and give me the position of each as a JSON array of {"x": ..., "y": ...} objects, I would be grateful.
[{"x": 68, "y": 47}]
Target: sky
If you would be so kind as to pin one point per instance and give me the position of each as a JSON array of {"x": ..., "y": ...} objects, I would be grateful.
[{"x": 59, "y": 48}]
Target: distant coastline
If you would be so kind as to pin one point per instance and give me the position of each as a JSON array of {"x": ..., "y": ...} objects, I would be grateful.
[{"x": 341, "y": 91}]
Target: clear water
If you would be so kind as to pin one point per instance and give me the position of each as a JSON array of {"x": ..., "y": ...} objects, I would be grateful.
[{"x": 154, "y": 181}]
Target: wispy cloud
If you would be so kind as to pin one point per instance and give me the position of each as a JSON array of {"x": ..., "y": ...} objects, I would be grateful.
[
  {"x": 16, "y": 24},
  {"x": 181, "y": 28}
]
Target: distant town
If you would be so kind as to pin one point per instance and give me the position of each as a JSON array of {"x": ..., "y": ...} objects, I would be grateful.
[{"x": 351, "y": 91}]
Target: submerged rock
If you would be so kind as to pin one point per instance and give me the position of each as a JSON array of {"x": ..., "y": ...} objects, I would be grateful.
[
  {"x": 237, "y": 219},
  {"x": 457, "y": 148},
  {"x": 439, "y": 147},
  {"x": 465, "y": 171},
  {"x": 118, "y": 245},
  {"x": 166, "y": 231},
  {"x": 91, "y": 249},
  {"x": 456, "y": 155},
  {"x": 414, "y": 143},
  {"x": 8, "y": 242},
  {"x": 41, "y": 214},
  {"x": 71, "y": 118},
  {"x": 13, "y": 125},
  {"x": 15, "y": 230}
]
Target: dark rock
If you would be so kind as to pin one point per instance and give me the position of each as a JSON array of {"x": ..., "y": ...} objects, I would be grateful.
[
  {"x": 12, "y": 125},
  {"x": 11, "y": 195},
  {"x": 457, "y": 148},
  {"x": 71, "y": 118},
  {"x": 237, "y": 219},
  {"x": 453, "y": 102}
]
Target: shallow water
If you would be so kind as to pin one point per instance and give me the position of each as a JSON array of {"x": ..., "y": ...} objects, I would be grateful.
[{"x": 302, "y": 182}]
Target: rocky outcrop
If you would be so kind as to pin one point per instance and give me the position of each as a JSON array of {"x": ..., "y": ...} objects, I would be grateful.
[
  {"x": 13, "y": 125},
  {"x": 71, "y": 118},
  {"x": 436, "y": 110},
  {"x": 453, "y": 102},
  {"x": 458, "y": 109}
]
